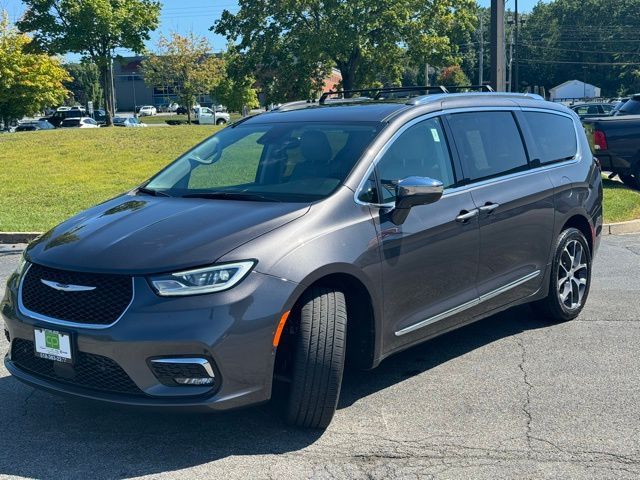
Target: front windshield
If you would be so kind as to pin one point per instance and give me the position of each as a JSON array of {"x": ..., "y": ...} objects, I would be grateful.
[{"x": 272, "y": 162}]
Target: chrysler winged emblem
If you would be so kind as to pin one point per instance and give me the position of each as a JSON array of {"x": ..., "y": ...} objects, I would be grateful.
[{"x": 66, "y": 288}]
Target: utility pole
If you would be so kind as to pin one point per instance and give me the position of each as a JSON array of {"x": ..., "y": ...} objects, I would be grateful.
[
  {"x": 516, "y": 76},
  {"x": 497, "y": 45},
  {"x": 481, "y": 57},
  {"x": 510, "y": 65}
]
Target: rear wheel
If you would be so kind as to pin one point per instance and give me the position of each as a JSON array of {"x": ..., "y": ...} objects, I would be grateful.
[
  {"x": 220, "y": 122},
  {"x": 570, "y": 278},
  {"x": 318, "y": 358}
]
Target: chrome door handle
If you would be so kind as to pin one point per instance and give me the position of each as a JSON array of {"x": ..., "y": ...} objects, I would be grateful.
[
  {"x": 489, "y": 208},
  {"x": 465, "y": 216}
]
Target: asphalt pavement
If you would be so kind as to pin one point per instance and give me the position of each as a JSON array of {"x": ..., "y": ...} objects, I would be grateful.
[{"x": 509, "y": 397}]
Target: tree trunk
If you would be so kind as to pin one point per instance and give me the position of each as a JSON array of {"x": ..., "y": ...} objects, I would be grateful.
[
  {"x": 107, "y": 90},
  {"x": 348, "y": 70}
]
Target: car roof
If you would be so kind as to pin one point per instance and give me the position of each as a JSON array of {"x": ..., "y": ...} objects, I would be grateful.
[{"x": 368, "y": 110}]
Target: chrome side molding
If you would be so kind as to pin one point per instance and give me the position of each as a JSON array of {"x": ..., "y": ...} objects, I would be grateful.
[{"x": 468, "y": 305}]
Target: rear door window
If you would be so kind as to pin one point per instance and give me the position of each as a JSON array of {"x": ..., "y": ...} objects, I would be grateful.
[
  {"x": 489, "y": 144},
  {"x": 553, "y": 137}
]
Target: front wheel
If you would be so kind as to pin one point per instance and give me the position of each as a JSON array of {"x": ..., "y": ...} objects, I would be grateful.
[
  {"x": 570, "y": 278},
  {"x": 318, "y": 358},
  {"x": 220, "y": 122}
]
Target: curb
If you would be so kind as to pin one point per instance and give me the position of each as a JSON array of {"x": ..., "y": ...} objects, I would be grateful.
[
  {"x": 18, "y": 237},
  {"x": 621, "y": 228}
]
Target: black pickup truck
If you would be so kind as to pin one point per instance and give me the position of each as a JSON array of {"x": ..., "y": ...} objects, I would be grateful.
[{"x": 616, "y": 143}]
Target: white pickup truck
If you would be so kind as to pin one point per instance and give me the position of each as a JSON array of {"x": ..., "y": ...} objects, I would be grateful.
[{"x": 206, "y": 116}]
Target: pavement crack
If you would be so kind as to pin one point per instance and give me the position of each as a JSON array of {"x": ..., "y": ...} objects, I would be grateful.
[{"x": 526, "y": 407}]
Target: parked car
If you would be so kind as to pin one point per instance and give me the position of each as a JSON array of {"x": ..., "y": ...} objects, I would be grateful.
[
  {"x": 63, "y": 113},
  {"x": 616, "y": 143},
  {"x": 304, "y": 238},
  {"x": 183, "y": 110},
  {"x": 630, "y": 107},
  {"x": 127, "y": 122},
  {"x": 100, "y": 116},
  {"x": 147, "y": 110},
  {"x": 206, "y": 116},
  {"x": 82, "y": 122},
  {"x": 33, "y": 126},
  {"x": 588, "y": 110}
]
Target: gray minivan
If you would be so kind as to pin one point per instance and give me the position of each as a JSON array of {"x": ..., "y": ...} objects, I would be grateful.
[{"x": 301, "y": 240}]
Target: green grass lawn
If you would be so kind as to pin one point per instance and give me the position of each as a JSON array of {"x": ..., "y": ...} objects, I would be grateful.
[
  {"x": 620, "y": 203},
  {"x": 48, "y": 176}
]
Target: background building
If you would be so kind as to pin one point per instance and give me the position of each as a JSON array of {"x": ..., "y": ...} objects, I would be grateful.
[{"x": 573, "y": 89}]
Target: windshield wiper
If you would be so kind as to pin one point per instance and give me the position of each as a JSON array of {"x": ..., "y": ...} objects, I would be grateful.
[
  {"x": 231, "y": 196},
  {"x": 155, "y": 193}
]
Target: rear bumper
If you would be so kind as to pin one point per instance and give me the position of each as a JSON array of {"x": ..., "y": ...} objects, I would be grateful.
[
  {"x": 614, "y": 163},
  {"x": 233, "y": 330}
]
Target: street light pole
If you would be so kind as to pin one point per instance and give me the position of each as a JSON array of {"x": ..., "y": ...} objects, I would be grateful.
[{"x": 497, "y": 45}]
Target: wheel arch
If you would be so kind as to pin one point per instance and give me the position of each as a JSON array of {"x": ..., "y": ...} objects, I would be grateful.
[
  {"x": 581, "y": 222},
  {"x": 363, "y": 313}
]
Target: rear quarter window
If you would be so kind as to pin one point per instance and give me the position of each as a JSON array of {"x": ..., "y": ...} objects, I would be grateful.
[{"x": 553, "y": 137}]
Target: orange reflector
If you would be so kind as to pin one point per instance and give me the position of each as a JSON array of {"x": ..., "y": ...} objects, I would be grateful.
[{"x": 283, "y": 321}]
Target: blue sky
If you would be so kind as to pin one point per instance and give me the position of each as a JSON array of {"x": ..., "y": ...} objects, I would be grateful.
[{"x": 198, "y": 15}]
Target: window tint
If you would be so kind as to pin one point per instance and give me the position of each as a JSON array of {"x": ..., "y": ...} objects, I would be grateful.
[
  {"x": 554, "y": 137},
  {"x": 606, "y": 108},
  {"x": 420, "y": 151},
  {"x": 489, "y": 144},
  {"x": 632, "y": 107}
]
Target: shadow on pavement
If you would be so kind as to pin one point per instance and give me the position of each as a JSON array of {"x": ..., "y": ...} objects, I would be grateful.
[{"x": 48, "y": 437}]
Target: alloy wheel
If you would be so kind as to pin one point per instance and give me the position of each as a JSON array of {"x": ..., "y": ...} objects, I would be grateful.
[{"x": 573, "y": 274}]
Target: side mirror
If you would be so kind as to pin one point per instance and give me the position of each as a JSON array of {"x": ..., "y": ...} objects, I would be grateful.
[{"x": 413, "y": 191}]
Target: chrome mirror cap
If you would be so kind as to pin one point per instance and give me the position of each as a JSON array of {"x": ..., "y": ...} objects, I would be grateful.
[{"x": 413, "y": 191}]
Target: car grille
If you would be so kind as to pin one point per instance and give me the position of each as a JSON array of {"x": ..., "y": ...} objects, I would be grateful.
[
  {"x": 101, "y": 306},
  {"x": 89, "y": 371}
]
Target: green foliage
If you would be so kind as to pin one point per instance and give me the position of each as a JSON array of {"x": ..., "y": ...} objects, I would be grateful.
[
  {"x": 185, "y": 64},
  {"x": 93, "y": 28},
  {"x": 236, "y": 88},
  {"x": 292, "y": 44},
  {"x": 592, "y": 40},
  {"x": 85, "y": 83},
  {"x": 453, "y": 76},
  {"x": 29, "y": 81}
]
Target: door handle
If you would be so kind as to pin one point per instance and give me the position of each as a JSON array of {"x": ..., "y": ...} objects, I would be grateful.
[
  {"x": 465, "y": 215},
  {"x": 489, "y": 208}
]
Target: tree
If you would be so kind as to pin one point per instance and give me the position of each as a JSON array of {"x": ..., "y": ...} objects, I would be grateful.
[
  {"x": 93, "y": 28},
  {"x": 85, "y": 83},
  {"x": 236, "y": 89},
  {"x": 186, "y": 65},
  {"x": 591, "y": 40},
  {"x": 295, "y": 42},
  {"x": 29, "y": 81},
  {"x": 453, "y": 76}
]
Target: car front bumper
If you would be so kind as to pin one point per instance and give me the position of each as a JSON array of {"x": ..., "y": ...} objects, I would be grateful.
[{"x": 233, "y": 330}]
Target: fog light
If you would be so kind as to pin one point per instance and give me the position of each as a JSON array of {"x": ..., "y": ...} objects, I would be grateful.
[{"x": 194, "y": 381}]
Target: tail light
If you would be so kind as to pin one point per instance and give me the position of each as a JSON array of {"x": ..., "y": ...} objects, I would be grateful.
[{"x": 599, "y": 140}]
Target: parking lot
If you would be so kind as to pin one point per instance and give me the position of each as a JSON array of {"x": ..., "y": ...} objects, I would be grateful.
[{"x": 508, "y": 397}]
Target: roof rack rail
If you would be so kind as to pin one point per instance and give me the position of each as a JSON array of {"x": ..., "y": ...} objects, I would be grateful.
[
  {"x": 375, "y": 93},
  {"x": 468, "y": 88}
]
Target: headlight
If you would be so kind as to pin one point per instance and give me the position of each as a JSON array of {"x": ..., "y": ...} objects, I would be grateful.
[{"x": 203, "y": 280}]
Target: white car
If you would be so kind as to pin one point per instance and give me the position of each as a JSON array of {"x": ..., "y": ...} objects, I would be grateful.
[
  {"x": 147, "y": 111},
  {"x": 127, "y": 122},
  {"x": 80, "y": 122},
  {"x": 206, "y": 116}
]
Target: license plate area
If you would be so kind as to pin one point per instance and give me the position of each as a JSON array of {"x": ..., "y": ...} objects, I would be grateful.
[{"x": 53, "y": 345}]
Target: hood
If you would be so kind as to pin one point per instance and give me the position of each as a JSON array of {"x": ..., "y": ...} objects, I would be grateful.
[{"x": 144, "y": 234}]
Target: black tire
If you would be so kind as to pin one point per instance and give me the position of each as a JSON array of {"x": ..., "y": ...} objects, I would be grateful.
[
  {"x": 220, "y": 122},
  {"x": 553, "y": 307},
  {"x": 319, "y": 353},
  {"x": 631, "y": 181}
]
